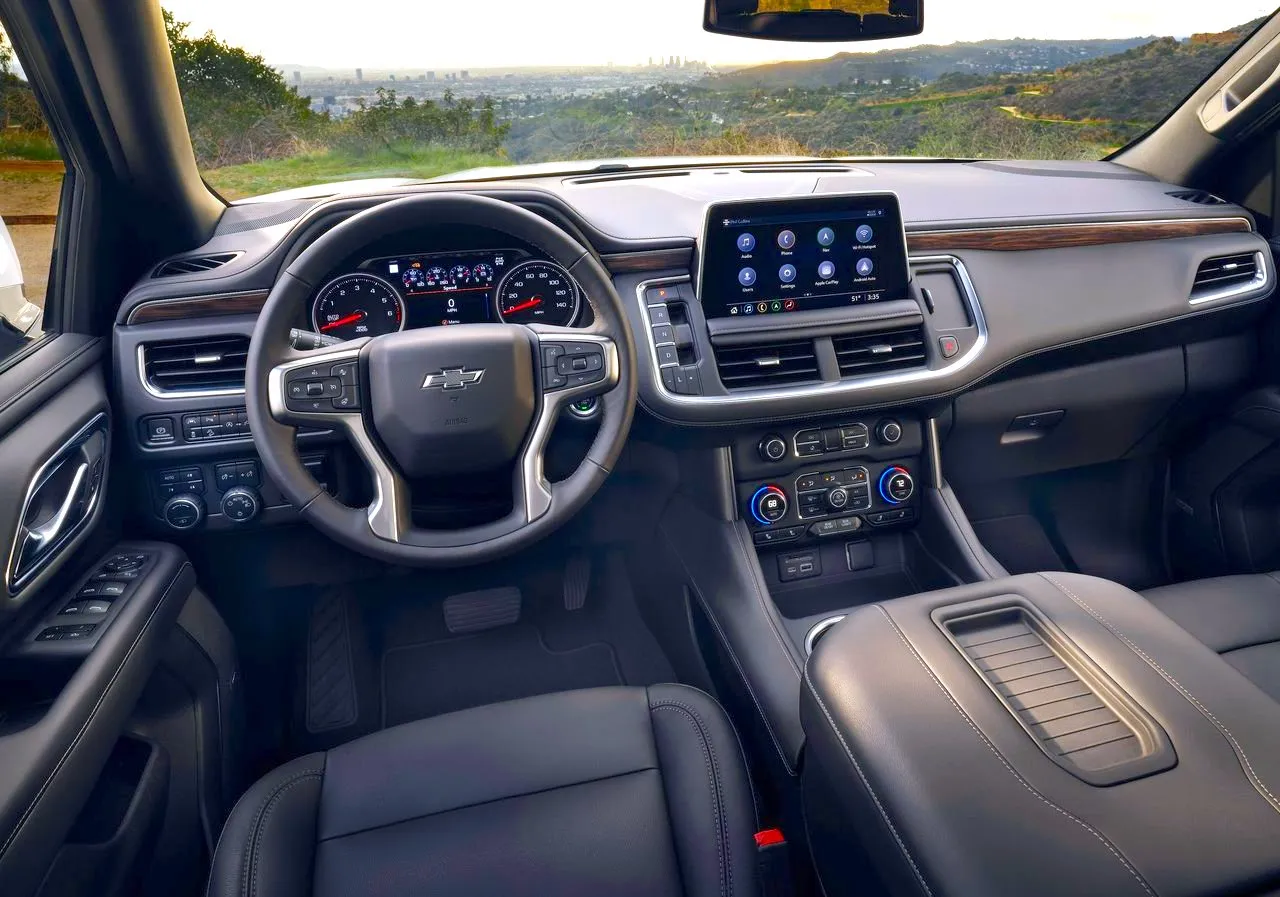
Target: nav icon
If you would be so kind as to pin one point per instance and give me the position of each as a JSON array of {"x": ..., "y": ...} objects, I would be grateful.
[{"x": 452, "y": 378}]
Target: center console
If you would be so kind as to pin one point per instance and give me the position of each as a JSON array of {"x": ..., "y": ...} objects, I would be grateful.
[{"x": 1048, "y": 734}]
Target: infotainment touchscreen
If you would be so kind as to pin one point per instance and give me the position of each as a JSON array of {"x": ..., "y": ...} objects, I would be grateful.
[{"x": 776, "y": 256}]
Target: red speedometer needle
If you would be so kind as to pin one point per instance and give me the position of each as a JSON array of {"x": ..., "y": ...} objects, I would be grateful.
[
  {"x": 532, "y": 303},
  {"x": 343, "y": 321}
]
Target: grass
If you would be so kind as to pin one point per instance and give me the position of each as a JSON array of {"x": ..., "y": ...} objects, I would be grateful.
[
  {"x": 19, "y": 144},
  {"x": 255, "y": 178}
]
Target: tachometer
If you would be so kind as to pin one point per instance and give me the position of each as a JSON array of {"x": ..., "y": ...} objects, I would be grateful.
[
  {"x": 356, "y": 305},
  {"x": 538, "y": 293}
]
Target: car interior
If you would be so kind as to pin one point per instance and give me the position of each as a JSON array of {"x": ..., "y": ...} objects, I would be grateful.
[{"x": 955, "y": 580}]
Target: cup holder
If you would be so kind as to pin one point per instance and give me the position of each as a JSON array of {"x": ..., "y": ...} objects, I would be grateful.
[{"x": 818, "y": 631}]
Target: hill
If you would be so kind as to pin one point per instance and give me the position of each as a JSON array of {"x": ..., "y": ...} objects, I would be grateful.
[
  {"x": 925, "y": 63},
  {"x": 1139, "y": 85}
]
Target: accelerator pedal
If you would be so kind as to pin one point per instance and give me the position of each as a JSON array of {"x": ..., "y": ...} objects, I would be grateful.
[
  {"x": 485, "y": 609},
  {"x": 577, "y": 581}
]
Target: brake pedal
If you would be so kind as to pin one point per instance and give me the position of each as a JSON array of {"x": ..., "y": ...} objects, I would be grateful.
[
  {"x": 485, "y": 609},
  {"x": 577, "y": 581}
]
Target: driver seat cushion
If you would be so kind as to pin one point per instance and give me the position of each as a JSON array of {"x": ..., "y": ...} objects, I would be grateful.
[
  {"x": 1237, "y": 616},
  {"x": 618, "y": 791}
]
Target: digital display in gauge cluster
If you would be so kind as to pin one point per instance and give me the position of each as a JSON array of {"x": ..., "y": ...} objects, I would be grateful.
[
  {"x": 439, "y": 289},
  {"x": 447, "y": 289}
]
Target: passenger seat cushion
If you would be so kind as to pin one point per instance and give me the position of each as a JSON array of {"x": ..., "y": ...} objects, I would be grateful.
[
  {"x": 620, "y": 791},
  {"x": 1237, "y": 616}
]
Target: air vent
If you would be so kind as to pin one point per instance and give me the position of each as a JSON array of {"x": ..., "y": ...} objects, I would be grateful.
[
  {"x": 878, "y": 353},
  {"x": 1069, "y": 708},
  {"x": 193, "y": 264},
  {"x": 1223, "y": 273},
  {"x": 215, "y": 363},
  {"x": 767, "y": 365},
  {"x": 1199, "y": 197}
]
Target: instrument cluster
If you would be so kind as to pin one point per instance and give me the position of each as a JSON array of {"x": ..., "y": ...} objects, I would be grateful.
[{"x": 445, "y": 288}]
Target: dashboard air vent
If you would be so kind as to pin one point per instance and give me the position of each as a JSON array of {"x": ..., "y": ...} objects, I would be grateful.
[
  {"x": 211, "y": 363},
  {"x": 766, "y": 365},
  {"x": 878, "y": 353},
  {"x": 1199, "y": 197},
  {"x": 1224, "y": 272},
  {"x": 193, "y": 264}
]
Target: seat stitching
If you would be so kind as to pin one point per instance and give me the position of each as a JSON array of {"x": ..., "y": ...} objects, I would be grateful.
[
  {"x": 1253, "y": 777},
  {"x": 866, "y": 783},
  {"x": 717, "y": 797},
  {"x": 1005, "y": 763},
  {"x": 249, "y": 873}
]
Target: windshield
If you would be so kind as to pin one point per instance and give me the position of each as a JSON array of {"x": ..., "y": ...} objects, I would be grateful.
[{"x": 281, "y": 95}]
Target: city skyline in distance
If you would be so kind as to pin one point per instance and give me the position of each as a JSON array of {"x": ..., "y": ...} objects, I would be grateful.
[{"x": 399, "y": 35}]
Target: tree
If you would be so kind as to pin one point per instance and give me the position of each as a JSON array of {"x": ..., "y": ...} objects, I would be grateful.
[{"x": 238, "y": 108}]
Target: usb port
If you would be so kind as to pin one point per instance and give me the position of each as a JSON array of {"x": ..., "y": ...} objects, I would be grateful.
[{"x": 806, "y": 567}]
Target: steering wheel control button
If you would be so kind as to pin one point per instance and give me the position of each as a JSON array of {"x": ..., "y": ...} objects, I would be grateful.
[
  {"x": 348, "y": 373},
  {"x": 571, "y": 364},
  {"x": 896, "y": 485},
  {"x": 773, "y": 448},
  {"x": 184, "y": 512},
  {"x": 240, "y": 505},
  {"x": 768, "y": 505},
  {"x": 889, "y": 432}
]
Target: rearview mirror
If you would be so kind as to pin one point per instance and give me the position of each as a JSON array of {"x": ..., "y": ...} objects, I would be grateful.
[{"x": 815, "y": 20}]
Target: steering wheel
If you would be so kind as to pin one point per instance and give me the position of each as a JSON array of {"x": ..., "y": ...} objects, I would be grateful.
[{"x": 440, "y": 401}]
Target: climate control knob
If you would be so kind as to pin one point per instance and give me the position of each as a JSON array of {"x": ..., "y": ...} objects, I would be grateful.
[
  {"x": 768, "y": 505},
  {"x": 889, "y": 432},
  {"x": 240, "y": 505},
  {"x": 773, "y": 448},
  {"x": 184, "y": 512},
  {"x": 896, "y": 485}
]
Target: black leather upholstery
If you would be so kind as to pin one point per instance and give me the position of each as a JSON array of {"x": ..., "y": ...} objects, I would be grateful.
[
  {"x": 618, "y": 791},
  {"x": 909, "y": 747},
  {"x": 1237, "y": 616}
]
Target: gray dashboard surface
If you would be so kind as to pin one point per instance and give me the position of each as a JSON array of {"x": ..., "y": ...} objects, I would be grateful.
[{"x": 1033, "y": 300}]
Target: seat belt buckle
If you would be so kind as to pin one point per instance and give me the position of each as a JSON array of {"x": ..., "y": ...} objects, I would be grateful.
[{"x": 773, "y": 864}]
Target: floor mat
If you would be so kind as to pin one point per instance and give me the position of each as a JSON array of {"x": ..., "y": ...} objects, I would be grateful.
[{"x": 511, "y": 662}]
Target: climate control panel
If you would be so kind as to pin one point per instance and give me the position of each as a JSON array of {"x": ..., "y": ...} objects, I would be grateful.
[{"x": 830, "y": 501}]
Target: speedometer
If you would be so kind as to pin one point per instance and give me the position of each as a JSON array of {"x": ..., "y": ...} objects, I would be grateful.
[
  {"x": 357, "y": 305},
  {"x": 538, "y": 293}
]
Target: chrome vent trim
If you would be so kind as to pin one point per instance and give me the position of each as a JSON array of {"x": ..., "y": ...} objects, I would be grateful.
[
  {"x": 1237, "y": 276},
  {"x": 865, "y": 354},
  {"x": 202, "y": 367},
  {"x": 766, "y": 365}
]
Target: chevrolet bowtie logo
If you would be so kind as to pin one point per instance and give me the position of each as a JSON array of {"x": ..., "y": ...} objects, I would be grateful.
[{"x": 455, "y": 378}]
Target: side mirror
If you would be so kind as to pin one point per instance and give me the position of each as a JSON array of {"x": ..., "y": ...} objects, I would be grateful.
[{"x": 815, "y": 20}]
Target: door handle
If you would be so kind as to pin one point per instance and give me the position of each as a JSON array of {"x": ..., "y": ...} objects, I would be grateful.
[{"x": 39, "y": 538}]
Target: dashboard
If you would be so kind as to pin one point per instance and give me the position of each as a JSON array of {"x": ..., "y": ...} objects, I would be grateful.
[{"x": 438, "y": 289}]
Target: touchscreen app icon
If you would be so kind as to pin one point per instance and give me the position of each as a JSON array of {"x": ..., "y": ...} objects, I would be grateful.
[
  {"x": 864, "y": 233},
  {"x": 865, "y": 267},
  {"x": 747, "y": 277},
  {"x": 746, "y": 242},
  {"x": 787, "y": 273},
  {"x": 787, "y": 239},
  {"x": 826, "y": 236},
  {"x": 827, "y": 270}
]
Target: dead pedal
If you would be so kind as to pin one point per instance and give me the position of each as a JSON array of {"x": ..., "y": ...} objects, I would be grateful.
[
  {"x": 331, "y": 681},
  {"x": 485, "y": 609},
  {"x": 577, "y": 581}
]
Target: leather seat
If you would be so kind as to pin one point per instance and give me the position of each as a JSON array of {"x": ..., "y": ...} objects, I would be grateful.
[
  {"x": 1237, "y": 616},
  {"x": 618, "y": 791}
]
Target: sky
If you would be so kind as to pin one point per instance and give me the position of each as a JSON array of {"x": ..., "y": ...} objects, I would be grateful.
[{"x": 442, "y": 34}]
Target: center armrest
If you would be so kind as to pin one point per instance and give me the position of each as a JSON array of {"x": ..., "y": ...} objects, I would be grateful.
[{"x": 1043, "y": 734}]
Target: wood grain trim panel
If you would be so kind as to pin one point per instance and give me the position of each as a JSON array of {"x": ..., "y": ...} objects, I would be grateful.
[
  {"x": 656, "y": 260},
  {"x": 189, "y": 307},
  {"x": 1060, "y": 236}
]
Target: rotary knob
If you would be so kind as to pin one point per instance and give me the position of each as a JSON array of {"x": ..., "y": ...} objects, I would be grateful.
[
  {"x": 889, "y": 432},
  {"x": 896, "y": 485},
  {"x": 838, "y": 498},
  {"x": 240, "y": 505},
  {"x": 773, "y": 448},
  {"x": 183, "y": 512},
  {"x": 768, "y": 505}
]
